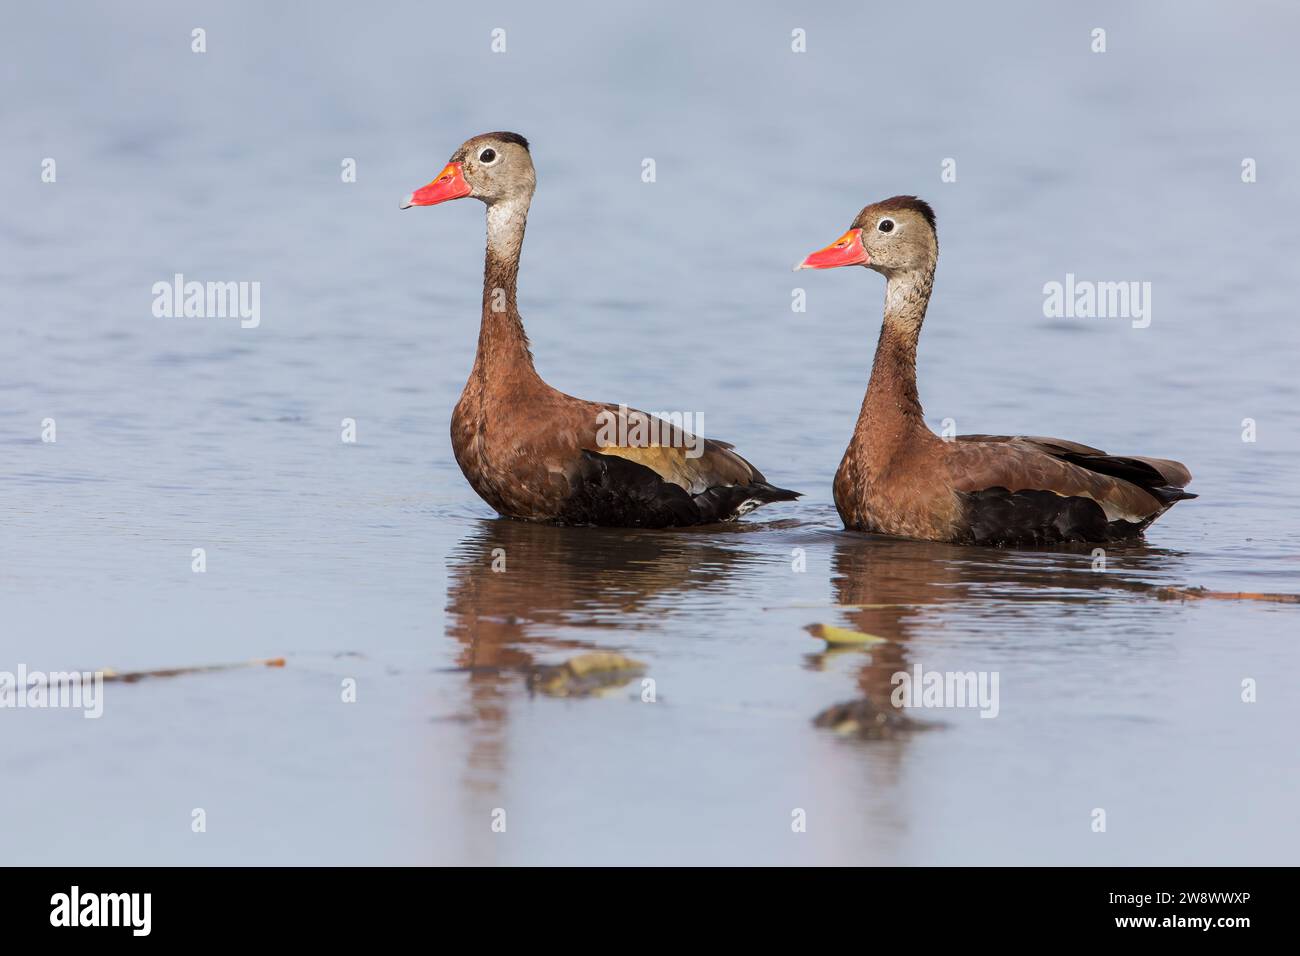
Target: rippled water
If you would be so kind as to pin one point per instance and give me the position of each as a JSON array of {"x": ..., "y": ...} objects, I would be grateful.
[{"x": 372, "y": 561}]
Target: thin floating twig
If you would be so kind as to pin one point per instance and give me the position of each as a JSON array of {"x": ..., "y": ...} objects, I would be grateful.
[
  {"x": 1176, "y": 594},
  {"x": 1163, "y": 593},
  {"x": 130, "y": 677},
  {"x": 845, "y": 607}
]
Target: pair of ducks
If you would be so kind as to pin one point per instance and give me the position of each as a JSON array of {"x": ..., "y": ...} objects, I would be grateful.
[{"x": 536, "y": 454}]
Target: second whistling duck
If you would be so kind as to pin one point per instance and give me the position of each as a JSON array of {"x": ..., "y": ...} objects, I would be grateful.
[
  {"x": 534, "y": 453},
  {"x": 899, "y": 478}
]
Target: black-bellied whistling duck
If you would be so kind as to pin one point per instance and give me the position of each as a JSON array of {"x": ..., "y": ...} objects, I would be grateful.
[
  {"x": 534, "y": 453},
  {"x": 899, "y": 478}
]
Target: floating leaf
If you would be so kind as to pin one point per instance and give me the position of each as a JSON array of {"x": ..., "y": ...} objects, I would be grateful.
[
  {"x": 585, "y": 675},
  {"x": 842, "y": 636}
]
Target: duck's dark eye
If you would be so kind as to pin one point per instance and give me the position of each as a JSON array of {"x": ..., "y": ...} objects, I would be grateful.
[
  {"x": 885, "y": 225},
  {"x": 487, "y": 155}
]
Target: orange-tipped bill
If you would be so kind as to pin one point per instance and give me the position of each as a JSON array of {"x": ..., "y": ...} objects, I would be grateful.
[
  {"x": 847, "y": 250},
  {"x": 450, "y": 184}
]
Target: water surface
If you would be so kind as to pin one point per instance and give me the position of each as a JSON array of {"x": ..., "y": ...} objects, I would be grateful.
[{"x": 373, "y": 561}]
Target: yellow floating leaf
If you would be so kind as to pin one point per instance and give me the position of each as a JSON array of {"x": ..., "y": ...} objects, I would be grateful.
[{"x": 842, "y": 636}]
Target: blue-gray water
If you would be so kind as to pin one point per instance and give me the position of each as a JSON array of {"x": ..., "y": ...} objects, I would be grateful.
[{"x": 371, "y": 561}]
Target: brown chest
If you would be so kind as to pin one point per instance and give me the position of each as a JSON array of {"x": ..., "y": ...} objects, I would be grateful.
[
  {"x": 905, "y": 495},
  {"x": 510, "y": 452}
]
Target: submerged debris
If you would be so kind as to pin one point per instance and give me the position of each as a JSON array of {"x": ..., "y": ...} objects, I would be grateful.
[
  {"x": 861, "y": 718},
  {"x": 130, "y": 677},
  {"x": 586, "y": 675},
  {"x": 842, "y": 636}
]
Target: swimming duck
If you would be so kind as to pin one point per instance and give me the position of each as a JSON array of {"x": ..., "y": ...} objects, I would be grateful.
[
  {"x": 899, "y": 478},
  {"x": 534, "y": 453}
]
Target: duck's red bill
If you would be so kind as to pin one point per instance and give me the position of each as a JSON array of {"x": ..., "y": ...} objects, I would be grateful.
[
  {"x": 847, "y": 250},
  {"x": 450, "y": 184}
]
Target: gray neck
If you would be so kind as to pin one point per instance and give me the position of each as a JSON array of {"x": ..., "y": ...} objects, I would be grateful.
[
  {"x": 907, "y": 295},
  {"x": 502, "y": 343},
  {"x": 892, "y": 407},
  {"x": 506, "y": 220}
]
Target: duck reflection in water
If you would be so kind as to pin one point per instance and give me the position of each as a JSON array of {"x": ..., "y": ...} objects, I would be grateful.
[
  {"x": 549, "y": 583},
  {"x": 903, "y": 590}
]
